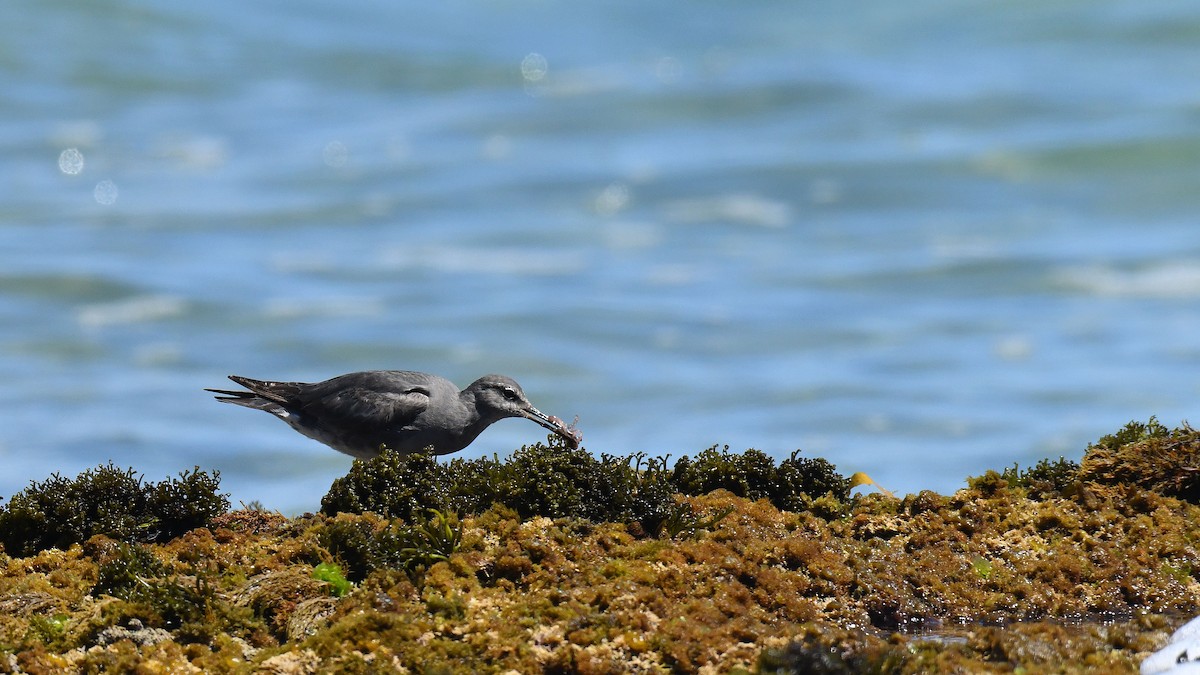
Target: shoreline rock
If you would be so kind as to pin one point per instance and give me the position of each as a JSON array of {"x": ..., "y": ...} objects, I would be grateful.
[{"x": 1057, "y": 568}]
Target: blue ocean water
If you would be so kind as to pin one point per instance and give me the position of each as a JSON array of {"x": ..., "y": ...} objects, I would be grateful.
[{"x": 921, "y": 240}]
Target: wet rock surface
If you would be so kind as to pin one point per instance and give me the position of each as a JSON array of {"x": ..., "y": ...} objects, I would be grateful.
[{"x": 1060, "y": 567}]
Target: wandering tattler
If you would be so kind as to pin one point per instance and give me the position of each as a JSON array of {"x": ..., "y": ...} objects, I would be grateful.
[{"x": 363, "y": 413}]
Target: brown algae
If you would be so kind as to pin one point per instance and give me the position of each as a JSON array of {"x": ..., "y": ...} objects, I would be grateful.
[{"x": 724, "y": 563}]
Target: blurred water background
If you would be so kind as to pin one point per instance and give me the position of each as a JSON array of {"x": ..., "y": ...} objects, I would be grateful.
[{"x": 919, "y": 239}]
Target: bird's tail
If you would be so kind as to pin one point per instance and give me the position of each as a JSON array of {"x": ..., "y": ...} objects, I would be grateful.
[
  {"x": 245, "y": 398},
  {"x": 267, "y": 396}
]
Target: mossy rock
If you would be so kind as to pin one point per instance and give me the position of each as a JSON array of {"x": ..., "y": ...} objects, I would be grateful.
[
  {"x": 59, "y": 512},
  {"x": 1047, "y": 569},
  {"x": 556, "y": 481},
  {"x": 1149, "y": 456}
]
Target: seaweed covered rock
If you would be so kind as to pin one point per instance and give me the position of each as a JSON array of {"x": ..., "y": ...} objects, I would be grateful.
[
  {"x": 555, "y": 480},
  {"x": 390, "y": 484},
  {"x": 59, "y": 511},
  {"x": 753, "y": 475},
  {"x": 1147, "y": 455},
  {"x": 798, "y": 480},
  {"x": 552, "y": 480},
  {"x": 748, "y": 475},
  {"x": 1034, "y": 570},
  {"x": 365, "y": 543}
]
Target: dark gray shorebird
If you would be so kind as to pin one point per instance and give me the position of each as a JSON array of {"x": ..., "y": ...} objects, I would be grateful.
[{"x": 360, "y": 414}]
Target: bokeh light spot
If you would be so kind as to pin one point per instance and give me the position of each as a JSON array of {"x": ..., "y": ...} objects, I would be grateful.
[
  {"x": 612, "y": 199},
  {"x": 335, "y": 154},
  {"x": 534, "y": 67},
  {"x": 70, "y": 161},
  {"x": 105, "y": 192},
  {"x": 668, "y": 69}
]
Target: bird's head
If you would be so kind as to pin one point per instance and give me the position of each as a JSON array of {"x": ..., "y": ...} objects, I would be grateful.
[{"x": 498, "y": 397}]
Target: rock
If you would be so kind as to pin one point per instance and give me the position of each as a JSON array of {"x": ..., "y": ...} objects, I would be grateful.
[
  {"x": 135, "y": 632},
  {"x": 1181, "y": 655},
  {"x": 309, "y": 617}
]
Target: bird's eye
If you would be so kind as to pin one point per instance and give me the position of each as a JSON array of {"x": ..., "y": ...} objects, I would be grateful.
[{"x": 510, "y": 394}]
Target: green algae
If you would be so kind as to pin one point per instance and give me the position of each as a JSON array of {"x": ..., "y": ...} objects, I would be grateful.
[
  {"x": 58, "y": 512},
  {"x": 332, "y": 575},
  {"x": 1059, "y": 567},
  {"x": 558, "y": 481},
  {"x": 368, "y": 543}
]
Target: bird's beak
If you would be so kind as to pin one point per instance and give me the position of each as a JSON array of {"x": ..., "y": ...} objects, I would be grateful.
[{"x": 554, "y": 424}]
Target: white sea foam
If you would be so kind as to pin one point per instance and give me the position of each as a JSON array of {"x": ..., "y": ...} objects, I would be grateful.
[
  {"x": 1174, "y": 279},
  {"x": 138, "y": 309},
  {"x": 506, "y": 261},
  {"x": 741, "y": 209},
  {"x": 289, "y": 308}
]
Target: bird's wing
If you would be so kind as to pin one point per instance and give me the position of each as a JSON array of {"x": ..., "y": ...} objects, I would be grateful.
[{"x": 369, "y": 407}]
